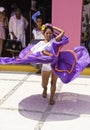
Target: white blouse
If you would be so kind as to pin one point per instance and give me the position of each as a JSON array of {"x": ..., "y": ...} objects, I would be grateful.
[
  {"x": 40, "y": 46},
  {"x": 37, "y": 34}
]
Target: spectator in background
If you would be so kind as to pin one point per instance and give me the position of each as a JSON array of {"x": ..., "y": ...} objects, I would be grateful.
[
  {"x": 3, "y": 26},
  {"x": 17, "y": 26},
  {"x": 37, "y": 34}
]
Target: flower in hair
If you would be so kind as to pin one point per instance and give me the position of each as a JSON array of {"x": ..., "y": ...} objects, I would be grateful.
[{"x": 43, "y": 27}]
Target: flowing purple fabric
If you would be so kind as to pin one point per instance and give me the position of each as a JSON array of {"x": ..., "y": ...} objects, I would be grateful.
[{"x": 67, "y": 65}]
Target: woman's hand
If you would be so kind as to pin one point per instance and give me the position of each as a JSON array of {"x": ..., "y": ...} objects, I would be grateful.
[
  {"x": 47, "y": 53},
  {"x": 14, "y": 36},
  {"x": 60, "y": 33},
  {"x": 50, "y": 54}
]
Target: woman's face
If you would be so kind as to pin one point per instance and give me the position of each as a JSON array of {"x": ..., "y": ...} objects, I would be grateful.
[
  {"x": 48, "y": 34},
  {"x": 39, "y": 22},
  {"x": 18, "y": 14}
]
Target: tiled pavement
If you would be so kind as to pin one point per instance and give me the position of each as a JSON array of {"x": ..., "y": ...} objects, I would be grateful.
[{"x": 23, "y": 108}]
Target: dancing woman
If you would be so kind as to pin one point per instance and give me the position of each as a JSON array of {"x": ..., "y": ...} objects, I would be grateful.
[{"x": 45, "y": 48}]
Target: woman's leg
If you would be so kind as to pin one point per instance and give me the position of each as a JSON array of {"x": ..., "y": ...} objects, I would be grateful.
[
  {"x": 45, "y": 79},
  {"x": 53, "y": 88}
]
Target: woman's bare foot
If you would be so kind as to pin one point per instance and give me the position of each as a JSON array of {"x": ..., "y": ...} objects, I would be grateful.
[
  {"x": 51, "y": 102},
  {"x": 44, "y": 94}
]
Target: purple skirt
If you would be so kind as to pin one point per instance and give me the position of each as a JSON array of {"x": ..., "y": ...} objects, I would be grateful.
[{"x": 67, "y": 65}]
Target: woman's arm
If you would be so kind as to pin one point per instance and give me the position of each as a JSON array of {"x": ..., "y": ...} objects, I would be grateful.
[
  {"x": 47, "y": 53},
  {"x": 60, "y": 35},
  {"x": 11, "y": 25}
]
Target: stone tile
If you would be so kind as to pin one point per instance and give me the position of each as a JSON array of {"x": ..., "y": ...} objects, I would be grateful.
[
  {"x": 12, "y": 75},
  {"x": 24, "y": 108},
  {"x": 28, "y": 97},
  {"x": 34, "y": 77},
  {"x": 72, "y": 104},
  {"x": 82, "y": 79},
  {"x": 6, "y": 86},
  {"x": 65, "y": 122},
  {"x": 13, "y": 120},
  {"x": 80, "y": 85}
]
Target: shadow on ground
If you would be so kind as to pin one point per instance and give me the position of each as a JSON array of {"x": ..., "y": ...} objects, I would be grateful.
[{"x": 68, "y": 106}]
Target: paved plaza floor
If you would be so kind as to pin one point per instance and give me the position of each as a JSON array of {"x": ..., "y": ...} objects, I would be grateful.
[{"x": 23, "y": 108}]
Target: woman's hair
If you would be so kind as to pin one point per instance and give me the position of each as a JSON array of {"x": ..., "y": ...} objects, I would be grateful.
[
  {"x": 39, "y": 17},
  {"x": 48, "y": 27}
]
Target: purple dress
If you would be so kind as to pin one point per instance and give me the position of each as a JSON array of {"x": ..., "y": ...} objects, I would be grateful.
[{"x": 67, "y": 65}]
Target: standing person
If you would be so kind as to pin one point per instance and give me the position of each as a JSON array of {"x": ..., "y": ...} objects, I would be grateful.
[
  {"x": 17, "y": 26},
  {"x": 37, "y": 33},
  {"x": 45, "y": 47},
  {"x": 3, "y": 26},
  {"x": 38, "y": 36}
]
